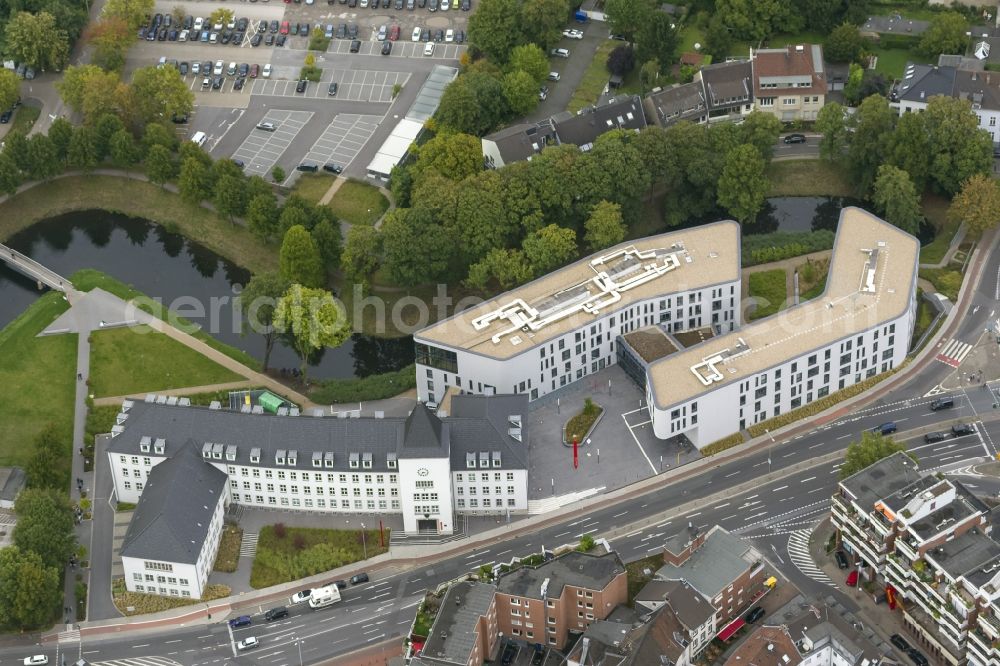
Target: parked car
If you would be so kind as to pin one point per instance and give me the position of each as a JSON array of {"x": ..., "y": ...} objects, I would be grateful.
[
  {"x": 942, "y": 403},
  {"x": 852, "y": 579},
  {"x": 280, "y": 41},
  {"x": 543, "y": 93},
  {"x": 256, "y": 39},
  {"x": 425, "y": 36},
  {"x": 308, "y": 166},
  {"x": 386, "y": 47},
  {"x": 276, "y": 613},
  {"x": 6, "y": 116},
  {"x": 328, "y": 32},
  {"x": 466, "y": 5},
  {"x": 393, "y": 33},
  {"x": 247, "y": 643},
  {"x": 439, "y": 35},
  {"x": 330, "y": 167},
  {"x": 460, "y": 37},
  {"x": 300, "y": 87},
  {"x": 509, "y": 653},
  {"x": 383, "y": 32},
  {"x": 284, "y": 27},
  {"x": 270, "y": 127},
  {"x": 196, "y": 68},
  {"x": 359, "y": 578},
  {"x": 429, "y": 49},
  {"x": 885, "y": 428},
  {"x": 841, "y": 559},
  {"x": 206, "y": 83},
  {"x": 961, "y": 429},
  {"x": 36, "y": 660},
  {"x": 559, "y": 53},
  {"x": 355, "y": 46},
  {"x": 219, "y": 65},
  {"x": 554, "y": 76},
  {"x": 239, "y": 163},
  {"x": 572, "y": 33},
  {"x": 936, "y": 436},
  {"x": 342, "y": 31},
  {"x": 755, "y": 614},
  {"x": 415, "y": 35},
  {"x": 917, "y": 657},
  {"x": 331, "y": 91},
  {"x": 179, "y": 119},
  {"x": 795, "y": 138},
  {"x": 241, "y": 621},
  {"x": 449, "y": 35},
  {"x": 341, "y": 584},
  {"x": 269, "y": 40},
  {"x": 900, "y": 642},
  {"x": 239, "y": 83},
  {"x": 352, "y": 30},
  {"x": 300, "y": 596},
  {"x": 217, "y": 83},
  {"x": 254, "y": 70},
  {"x": 266, "y": 72},
  {"x": 243, "y": 69}
]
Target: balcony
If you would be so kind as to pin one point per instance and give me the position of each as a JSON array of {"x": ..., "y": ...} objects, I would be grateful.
[
  {"x": 933, "y": 633},
  {"x": 905, "y": 549}
]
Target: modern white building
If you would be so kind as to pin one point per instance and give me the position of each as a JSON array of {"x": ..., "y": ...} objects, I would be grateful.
[
  {"x": 562, "y": 327},
  {"x": 171, "y": 543},
  {"x": 859, "y": 327},
  {"x": 424, "y": 466}
]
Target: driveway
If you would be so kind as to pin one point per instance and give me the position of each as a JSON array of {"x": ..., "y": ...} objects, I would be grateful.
[{"x": 571, "y": 69}]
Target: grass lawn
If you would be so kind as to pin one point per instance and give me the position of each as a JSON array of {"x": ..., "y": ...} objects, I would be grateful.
[
  {"x": 892, "y": 62},
  {"x": 141, "y": 604},
  {"x": 25, "y": 118},
  {"x": 228, "y": 558},
  {"x": 813, "y": 291},
  {"x": 358, "y": 203},
  {"x": 39, "y": 380},
  {"x": 637, "y": 577},
  {"x": 594, "y": 78},
  {"x": 88, "y": 278},
  {"x": 577, "y": 427},
  {"x": 130, "y": 197},
  {"x": 805, "y": 37},
  {"x": 925, "y": 315},
  {"x": 426, "y": 615},
  {"x": 312, "y": 186},
  {"x": 945, "y": 280},
  {"x": 126, "y": 361},
  {"x": 690, "y": 35},
  {"x": 804, "y": 178},
  {"x": 935, "y": 209},
  {"x": 289, "y": 553},
  {"x": 769, "y": 287}
]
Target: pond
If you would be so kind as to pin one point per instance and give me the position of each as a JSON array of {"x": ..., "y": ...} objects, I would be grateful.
[
  {"x": 167, "y": 266},
  {"x": 805, "y": 214}
]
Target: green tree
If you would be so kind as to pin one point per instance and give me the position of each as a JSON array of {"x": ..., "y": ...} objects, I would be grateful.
[
  {"x": 507, "y": 268},
  {"x": 89, "y": 91},
  {"x": 945, "y": 34},
  {"x": 16, "y": 148},
  {"x": 105, "y": 126},
  {"x": 542, "y": 21},
  {"x": 293, "y": 216},
  {"x": 852, "y": 88},
  {"x": 621, "y": 60},
  {"x": 360, "y": 255},
  {"x": 761, "y": 130},
  {"x": 132, "y": 11},
  {"x": 454, "y": 156},
  {"x": 47, "y": 467},
  {"x": 754, "y": 20},
  {"x": 326, "y": 235},
  {"x": 549, "y": 248},
  {"x": 161, "y": 168},
  {"x": 896, "y": 197},
  {"x": 156, "y": 134},
  {"x": 29, "y": 591},
  {"x": 959, "y": 149},
  {"x": 10, "y": 175},
  {"x": 604, "y": 227},
  {"x": 36, "y": 39},
  {"x": 627, "y": 17},
  {"x": 278, "y": 174},
  {"x": 867, "y": 451},
  {"x": 221, "y": 15},
  {"x": 123, "y": 149},
  {"x": 521, "y": 92},
  {"x": 494, "y": 28},
  {"x": 258, "y": 302},
  {"x": 45, "y": 525},
  {"x": 910, "y": 148},
  {"x": 10, "y": 88},
  {"x": 156, "y": 95},
  {"x": 61, "y": 133},
  {"x": 43, "y": 158},
  {"x": 743, "y": 185},
  {"x": 416, "y": 249},
  {"x": 311, "y": 319},
  {"x": 474, "y": 103},
  {"x": 82, "y": 153},
  {"x": 658, "y": 39},
  {"x": 111, "y": 38},
  {"x": 230, "y": 196},
  {"x": 262, "y": 216},
  {"x": 831, "y": 123},
  {"x": 977, "y": 205},
  {"x": 649, "y": 75},
  {"x": 718, "y": 38},
  {"x": 194, "y": 182},
  {"x": 300, "y": 259},
  {"x": 869, "y": 142},
  {"x": 844, "y": 44},
  {"x": 529, "y": 58}
]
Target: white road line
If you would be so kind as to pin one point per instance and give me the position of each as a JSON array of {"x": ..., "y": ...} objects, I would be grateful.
[
  {"x": 641, "y": 450},
  {"x": 811, "y": 478}
]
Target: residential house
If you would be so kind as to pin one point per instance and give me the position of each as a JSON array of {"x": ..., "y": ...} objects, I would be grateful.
[
  {"x": 723, "y": 91},
  {"x": 465, "y": 631},
  {"x": 789, "y": 82},
  {"x": 517, "y": 142}
]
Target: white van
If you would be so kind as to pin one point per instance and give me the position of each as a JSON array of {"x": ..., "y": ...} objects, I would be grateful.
[{"x": 199, "y": 139}]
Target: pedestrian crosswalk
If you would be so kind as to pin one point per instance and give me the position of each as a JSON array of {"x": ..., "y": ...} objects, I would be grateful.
[
  {"x": 798, "y": 552},
  {"x": 69, "y": 636},
  {"x": 954, "y": 352},
  {"x": 248, "y": 546},
  {"x": 138, "y": 661}
]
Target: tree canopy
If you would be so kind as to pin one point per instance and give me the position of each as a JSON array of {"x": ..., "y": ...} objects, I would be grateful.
[
  {"x": 897, "y": 198},
  {"x": 867, "y": 451},
  {"x": 945, "y": 34},
  {"x": 312, "y": 320},
  {"x": 300, "y": 259},
  {"x": 977, "y": 205}
]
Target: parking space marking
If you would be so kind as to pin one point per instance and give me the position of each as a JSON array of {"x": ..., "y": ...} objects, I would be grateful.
[
  {"x": 261, "y": 150},
  {"x": 401, "y": 49},
  {"x": 353, "y": 85},
  {"x": 342, "y": 139}
]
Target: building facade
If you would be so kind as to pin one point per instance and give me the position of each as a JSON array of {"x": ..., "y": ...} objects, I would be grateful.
[
  {"x": 859, "y": 327},
  {"x": 790, "y": 82},
  {"x": 563, "y": 327},
  {"x": 465, "y": 631},
  {"x": 543, "y": 604},
  {"x": 418, "y": 466}
]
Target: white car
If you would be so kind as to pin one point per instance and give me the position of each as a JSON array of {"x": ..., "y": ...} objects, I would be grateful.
[
  {"x": 183, "y": 37},
  {"x": 415, "y": 35},
  {"x": 219, "y": 65},
  {"x": 300, "y": 597},
  {"x": 196, "y": 68},
  {"x": 429, "y": 49},
  {"x": 232, "y": 23},
  {"x": 573, "y": 34},
  {"x": 444, "y": 4},
  {"x": 559, "y": 53},
  {"x": 36, "y": 660},
  {"x": 449, "y": 35},
  {"x": 266, "y": 72},
  {"x": 232, "y": 69},
  {"x": 213, "y": 38},
  {"x": 554, "y": 76},
  {"x": 217, "y": 27},
  {"x": 364, "y": 4},
  {"x": 247, "y": 643},
  {"x": 198, "y": 23}
]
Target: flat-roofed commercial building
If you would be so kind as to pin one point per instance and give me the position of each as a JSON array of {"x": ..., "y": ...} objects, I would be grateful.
[
  {"x": 562, "y": 327},
  {"x": 859, "y": 327}
]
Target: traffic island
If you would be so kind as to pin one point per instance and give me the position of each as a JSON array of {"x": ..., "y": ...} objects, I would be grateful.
[{"x": 579, "y": 428}]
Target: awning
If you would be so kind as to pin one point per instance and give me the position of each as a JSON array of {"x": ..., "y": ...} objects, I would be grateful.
[{"x": 731, "y": 629}]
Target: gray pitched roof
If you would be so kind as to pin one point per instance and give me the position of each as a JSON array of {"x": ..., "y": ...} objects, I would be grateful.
[
  {"x": 727, "y": 83},
  {"x": 522, "y": 141},
  {"x": 172, "y": 518},
  {"x": 591, "y": 572},
  {"x": 453, "y": 635},
  {"x": 472, "y": 426},
  {"x": 921, "y": 82},
  {"x": 680, "y": 102},
  {"x": 583, "y": 128},
  {"x": 691, "y": 608},
  {"x": 714, "y": 565}
]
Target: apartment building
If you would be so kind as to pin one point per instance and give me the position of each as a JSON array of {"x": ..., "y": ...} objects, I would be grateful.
[
  {"x": 425, "y": 466},
  {"x": 563, "y": 326},
  {"x": 719, "y": 92},
  {"x": 789, "y": 82},
  {"x": 930, "y": 544},
  {"x": 465, "y": 631},
  {"x": 545, "y": 603},
  {"x": 859, "y": 327},
  {"x": 173, "y": 538}
]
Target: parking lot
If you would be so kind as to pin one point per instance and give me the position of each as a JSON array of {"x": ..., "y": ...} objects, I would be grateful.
[
  {"x": 342, "y": 140},
  {"x": 400, "y": 49},
  {"x": 261, "y": 149},
  {"x": 354, "y": 85}
]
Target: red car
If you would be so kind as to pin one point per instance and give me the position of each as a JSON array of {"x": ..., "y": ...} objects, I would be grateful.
[
  {"x": 852, "y": 579},
  {"x": 254, "y": 70},
  {"x": 284, "y": 28},
  {"x": 393, "y": 33}
]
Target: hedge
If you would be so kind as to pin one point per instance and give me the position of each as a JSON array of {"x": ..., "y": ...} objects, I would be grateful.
[
  {"x": 820, "y": 405},
  {"x": 891, "y": 41},
  {"x": 765, "y": 248},
  {"x": 373, "y": 387},
  {"x": 720, "y": 445}
]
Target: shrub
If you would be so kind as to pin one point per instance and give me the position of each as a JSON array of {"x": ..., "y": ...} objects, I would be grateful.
[
  {"x": 373, "y": 387},
  {"x": 908, "y": 42},
  {"x": 765, "y": 248},
  {"x": 721, "y": 445},
  {"x": 586, "y": 544}
]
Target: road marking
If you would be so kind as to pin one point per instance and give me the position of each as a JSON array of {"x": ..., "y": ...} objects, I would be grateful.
[
  {"x": 811, "y": 478},
  {"x": 774, "y": 490},
  {"x": 721, "y": 506},
  {"x": 844, "y": 436},
  {"x": 641, "y": 450},
  {"x": 619, "y": 515}
]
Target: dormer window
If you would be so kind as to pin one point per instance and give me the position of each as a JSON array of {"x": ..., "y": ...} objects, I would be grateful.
[
  {"x": 496, "y": 458},
  {"x": 231, "y": 453},
  {"x": 144, "y": 444},
  {"x": 354, "y": 461},
  {"x": 366, "y": 460},
  {"x": 255, "y": 455},
  {"x": 206, "y": 450},
  {"x": 328, "y": 459},
  {"x": 484, "y": 459},
  {"x": 279, "y": 457},
  {"x": 470, "y": 460},
  {"x": 292, "y": 457},
  {"x": 317, "y": 459},
  {"x": 390, "y": 460},
  {"x": 160, "y": 446}
]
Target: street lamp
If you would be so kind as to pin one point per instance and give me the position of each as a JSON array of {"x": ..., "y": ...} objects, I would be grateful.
[
  {"x": 298, "y": 644},
  {"x": 364, "y": 543}
]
